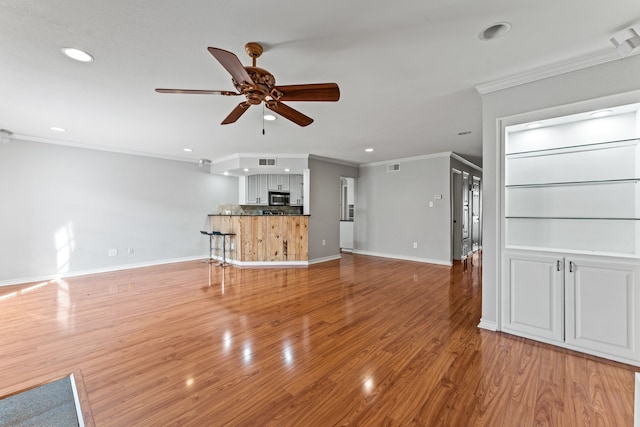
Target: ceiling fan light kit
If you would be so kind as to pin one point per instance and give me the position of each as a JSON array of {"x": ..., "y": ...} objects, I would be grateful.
[{"x": 259, "y": 86}]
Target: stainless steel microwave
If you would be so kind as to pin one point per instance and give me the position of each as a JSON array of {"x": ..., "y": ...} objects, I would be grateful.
[{"x": 277, "y": 198}]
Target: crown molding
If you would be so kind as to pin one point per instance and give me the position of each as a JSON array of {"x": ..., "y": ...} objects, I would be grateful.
[
  {"x": 29, "y": 138},
  {"x": 407, "y": 159},
  {"x": 331, "y": 160},
  {"x": 466, "y": 162},
  {"x": 237, "y": 156},
  {"x": 550, "y": 70}
]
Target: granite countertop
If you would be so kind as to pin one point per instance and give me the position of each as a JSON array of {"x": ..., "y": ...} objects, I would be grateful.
[{"x": 256, "y": 215}]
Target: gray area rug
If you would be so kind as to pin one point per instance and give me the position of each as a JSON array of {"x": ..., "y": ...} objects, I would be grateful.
[{"x": 49, "y": 405}]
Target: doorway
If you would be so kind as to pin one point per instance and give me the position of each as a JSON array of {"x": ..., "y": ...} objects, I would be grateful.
[
  {"x": 456, "y": 217},
  {"x": 347, "y": 213}
]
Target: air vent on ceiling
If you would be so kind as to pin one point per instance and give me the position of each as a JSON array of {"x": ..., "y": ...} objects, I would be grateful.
[
  {"x": 266, "y": 162},
  {"x": 395, "y": 167}
]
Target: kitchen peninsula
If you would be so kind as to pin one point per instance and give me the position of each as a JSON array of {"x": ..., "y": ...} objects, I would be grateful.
[{"x": 262, "y": 240}]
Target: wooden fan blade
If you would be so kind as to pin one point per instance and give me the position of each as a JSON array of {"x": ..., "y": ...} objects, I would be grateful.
[
  {"x": 312, "y": 92},
  {"x": 236, "y": 113},
  {"x": 199, "y": 92},
  {"x": 232, "y": 64},
  {"x": 289, "y": 113}
]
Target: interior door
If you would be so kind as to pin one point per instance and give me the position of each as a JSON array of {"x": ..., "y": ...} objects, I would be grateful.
[
  {"x": 456, "y": 219},
  {"x": 475, "y": 214}
]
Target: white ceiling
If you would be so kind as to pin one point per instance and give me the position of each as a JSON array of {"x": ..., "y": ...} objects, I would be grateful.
[{"x": 407, "y": 70}]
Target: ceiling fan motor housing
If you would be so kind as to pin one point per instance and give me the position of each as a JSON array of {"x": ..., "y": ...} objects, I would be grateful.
[{"x": 263, "y": 80}]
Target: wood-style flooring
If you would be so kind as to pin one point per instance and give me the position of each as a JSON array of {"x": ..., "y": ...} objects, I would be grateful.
[{"x": 359, "y": 341}]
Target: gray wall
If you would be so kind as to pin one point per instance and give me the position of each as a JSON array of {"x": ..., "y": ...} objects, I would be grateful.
[
  {"x": 324, "y": 207},
  {"x": 392, "y": 210},
  {"x": 63, "y": 208},
  {"x": 584, "y": 86}
]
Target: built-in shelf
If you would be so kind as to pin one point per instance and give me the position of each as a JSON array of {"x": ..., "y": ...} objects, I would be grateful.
[
  {"x": 579, "y": 147},
  {"x": 572, "y": 218},
  {"x": 569, "y": 183}
]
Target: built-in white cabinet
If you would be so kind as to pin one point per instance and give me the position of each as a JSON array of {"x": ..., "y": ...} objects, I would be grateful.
[
  {"x": 257, "y": 192},
  {"x": 571, "y": 234},
  {"x": 533, "y": 295},
  {"x": 602, "y": 301},
  {"x": 296, "y": 197},
  {"x": 585, "y": 304},
  {"x": 278, "y": 182}
]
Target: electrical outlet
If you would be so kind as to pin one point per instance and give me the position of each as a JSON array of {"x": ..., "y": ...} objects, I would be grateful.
[
  {"x": 113, "y": 252},
  {"x": 324, "y": 242},
  {"x": 415, "y": 245},
  {"x": 430, "y": 204},
  {"x": 130, "y": 251}
]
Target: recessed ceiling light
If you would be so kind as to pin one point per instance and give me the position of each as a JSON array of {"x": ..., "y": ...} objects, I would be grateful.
[
  {"x": 287, "y": 170},
  {"x": 495, "y": 31},
  {"x": 601, "y": 113},
  {"x": 464, "y": 132},
  {"x": 77, "y": 54},
  {"x": 188, "y": 150},
  {"x": 246, "y": 169},
  {"x": 225, "y": 173},
  {"x": 368, "y": 150},
  {"x": 58, "y": 129},
  {"x": 270, "y": 117},
  {"x": 534, "y": 125}
]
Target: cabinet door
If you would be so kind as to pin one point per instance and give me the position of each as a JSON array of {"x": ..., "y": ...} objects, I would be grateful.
[
  {"x": 602, "y": 303},
  {"x": 295, "y": 187},
  {"x": 252, "y": 189},
  {"x": 533, "y": 296},
  {"x": 278, "y": 182},
  {"x": 272, "y": 182},
  {"x": 263, "y": 192},
  {"x": 283, "y": 182}
]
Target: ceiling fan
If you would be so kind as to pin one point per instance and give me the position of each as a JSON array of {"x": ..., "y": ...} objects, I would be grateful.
[{"x": 258, "y": 85}]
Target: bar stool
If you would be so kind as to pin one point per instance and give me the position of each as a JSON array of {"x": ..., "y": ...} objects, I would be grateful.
[
  {"x": 211, "y": 235},
  {"x": 224, "y": 248}
]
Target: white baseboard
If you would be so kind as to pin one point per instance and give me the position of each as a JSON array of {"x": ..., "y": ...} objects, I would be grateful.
[
  {"x": 488, "y": 325},
  {"x": 46, "y": 278},
  {"x": 267, "y": 264},
  {"x": 324, "y": 259},
  {"x": 404, "y": 257}
]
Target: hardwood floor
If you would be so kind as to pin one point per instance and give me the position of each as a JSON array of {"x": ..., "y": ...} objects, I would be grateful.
[{"x": 360, "y": 341}]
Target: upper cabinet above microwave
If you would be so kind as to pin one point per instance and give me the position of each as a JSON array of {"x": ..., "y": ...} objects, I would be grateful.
[{"x": 259, "y": 186}]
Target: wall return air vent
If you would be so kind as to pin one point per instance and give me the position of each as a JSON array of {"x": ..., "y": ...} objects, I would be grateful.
[
  {"x": 395, "y": 167},
  {"x": 266, "y": 162}
]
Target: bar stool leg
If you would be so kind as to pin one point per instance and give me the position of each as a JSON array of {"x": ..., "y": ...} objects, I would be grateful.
[{"x": 224, "y": 251}]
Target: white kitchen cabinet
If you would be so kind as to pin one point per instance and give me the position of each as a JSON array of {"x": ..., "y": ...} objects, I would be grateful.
[
  {"x": 278, "y": 182},
  {"x": 533, "y": 295},
  {"x": 295, "y": 190},
  {"x": 257, "y": 193},
  {"x": 571, "y": 235}
]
